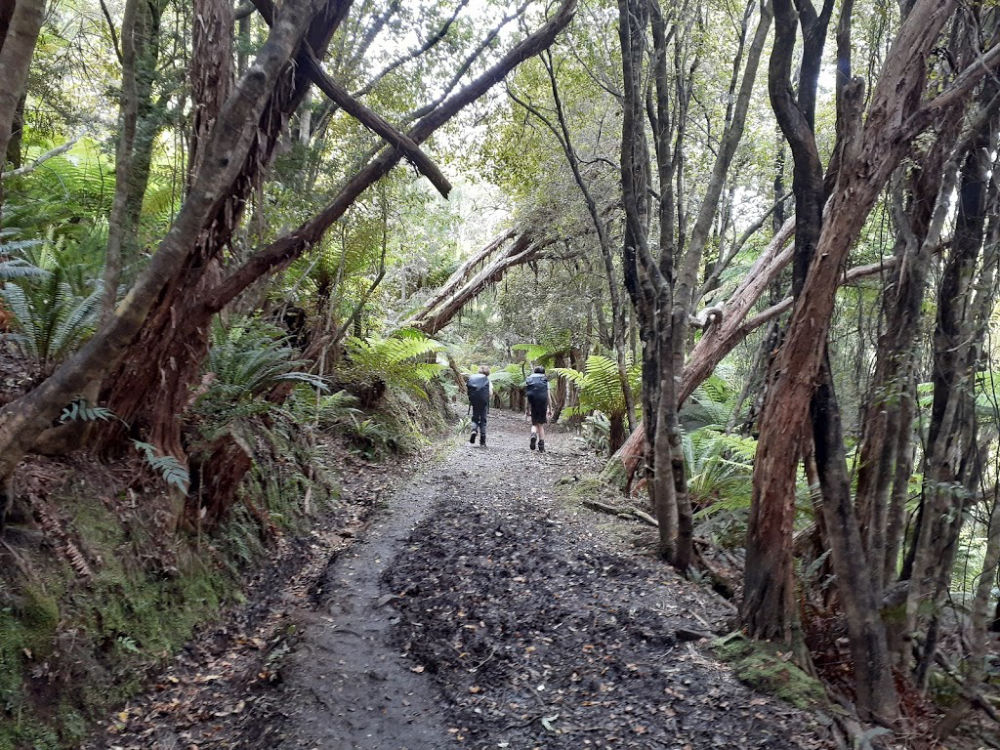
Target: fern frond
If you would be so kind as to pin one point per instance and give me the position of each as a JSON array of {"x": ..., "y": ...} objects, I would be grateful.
[
  {"x": 599, "y": 385},
  {"x": 168, "y": 467},
  {"x": 83, "y": 411},
  {"x": 18, "y": 268},
  {"x": 76, "y": 324},
  {"x": 16, "y": 302}
]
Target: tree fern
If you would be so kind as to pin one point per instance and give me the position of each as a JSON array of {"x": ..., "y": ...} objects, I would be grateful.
[
  {"x": 599, "y": 386},
  {"x": 393, "y": 361}
]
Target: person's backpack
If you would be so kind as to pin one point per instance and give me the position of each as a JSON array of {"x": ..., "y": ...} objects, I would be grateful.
[
  {"x": 479, "y": 389},
  {"x": 536, "y": 386}
]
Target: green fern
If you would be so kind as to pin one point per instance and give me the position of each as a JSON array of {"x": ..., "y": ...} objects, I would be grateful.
[
  {"x": 245, "y": 361},
  {"x": 599, "y": 386},
  {"x": 51, "y": 320},
  {"x": 711, "y": 405},
  {"x": 168, "y": 467},
  {"x": 508, "y": 379},
  {"x": 82, "y": 410},
  {"x": 720, "y": 470},
  {"x": 393, "y": 361},
  {"x": 597, "y": 432},
  {"x": 14, "y": 269}
]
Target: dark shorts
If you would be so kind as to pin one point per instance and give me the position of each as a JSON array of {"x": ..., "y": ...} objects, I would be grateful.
[
  {"x": 479, "y": 412},
  {"x": 539, "y": 409}
]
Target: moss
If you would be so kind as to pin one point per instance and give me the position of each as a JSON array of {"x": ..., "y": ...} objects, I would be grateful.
[
  {"x": 38, "y": 613},
  {"x": 71, "y": 650},
  {"x": 763, "y": 667},
  {"x": 585, "y": 488},
  {"x": 143, "y": 603}
]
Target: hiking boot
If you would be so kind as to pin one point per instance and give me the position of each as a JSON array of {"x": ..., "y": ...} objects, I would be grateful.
[
  {"x": 541, "y": 446},
  {"x": 534, "y": 439},
  {"x": 472, "y": 438},
  {"x": 482, "y": 439}
]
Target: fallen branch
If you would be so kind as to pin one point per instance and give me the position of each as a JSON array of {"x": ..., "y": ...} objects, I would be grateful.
[
  {"x": 646, "y": 517},
  {"x": 604, "y": 508},
  {"x": 29, "y": 168}
]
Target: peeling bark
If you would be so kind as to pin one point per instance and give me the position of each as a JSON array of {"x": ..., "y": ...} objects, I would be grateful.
[{"x": 23, "y": 419}]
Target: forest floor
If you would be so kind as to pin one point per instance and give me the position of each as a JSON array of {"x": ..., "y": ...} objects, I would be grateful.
[{"x": 469, "y": 602}]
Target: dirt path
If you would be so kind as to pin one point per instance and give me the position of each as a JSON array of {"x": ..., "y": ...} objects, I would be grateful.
[{"x": 484, "y": 610}]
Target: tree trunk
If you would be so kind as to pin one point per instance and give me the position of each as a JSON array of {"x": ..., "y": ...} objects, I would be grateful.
[
  {"x": 18, "y": 46},
  {"x": 886, "y": 427},
  {"x": 16, "y": 134},
  {"x": 564, "y": 137},
  {"x": 292, "y": 245},
  {"x": 867, "y": 156},
  {"x": 873, "y": 680},
  {"x": 140, "y": 121},
  {"x": 768, "y": 609},
  {"x": 952, "y": 454},
  {"x": 150, "y": 388},
  {"x": 974, "y": 666},
  {"x": 561, "y": 390},
  {"x": 23, "y": 419}
]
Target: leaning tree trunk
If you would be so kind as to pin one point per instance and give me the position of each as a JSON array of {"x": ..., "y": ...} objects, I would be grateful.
[
  {"x": 160, "y": 361},
  {"x": 172, "y": 340},
  {"x": 22, "y": 420},
  {"x": 151, "y": 385},
  {"x": 156, "y": 353},
  {"x": 868, "y": 156}
]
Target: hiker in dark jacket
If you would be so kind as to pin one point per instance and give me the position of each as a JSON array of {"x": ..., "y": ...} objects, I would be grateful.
[
  {"x": 536, "y": 390},
  {"x": 480, "y": 390}
]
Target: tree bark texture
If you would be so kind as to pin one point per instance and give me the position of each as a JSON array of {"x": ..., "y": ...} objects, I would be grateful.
[
  {"x": 18, "y": 47},
  {"x": 865, "y": 156},
  {"x": 150, "y": 387},
  {"x": 952, "y": 464},
  {"x": 23, "y": 419},
  {"x": 867, "y": 160},
  {"x": 921, "y": 201}
]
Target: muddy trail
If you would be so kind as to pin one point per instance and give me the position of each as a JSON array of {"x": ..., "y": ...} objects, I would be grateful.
[{"x": 480, "y": 608}]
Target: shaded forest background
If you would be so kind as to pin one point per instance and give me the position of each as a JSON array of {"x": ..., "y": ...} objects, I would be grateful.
[{"x": 755, "y": 244}]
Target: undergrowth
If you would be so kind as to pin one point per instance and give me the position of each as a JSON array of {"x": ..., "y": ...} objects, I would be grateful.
[{"x": 73, "y": 646}]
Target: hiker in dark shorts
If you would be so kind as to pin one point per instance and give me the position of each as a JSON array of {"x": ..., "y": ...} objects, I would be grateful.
[
  {"x": 536, "y": 389},
  {"x": 480, "y": 389}
]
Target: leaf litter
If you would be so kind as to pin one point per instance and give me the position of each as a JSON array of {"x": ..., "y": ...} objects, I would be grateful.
[{"x": 482, "y": 610}]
